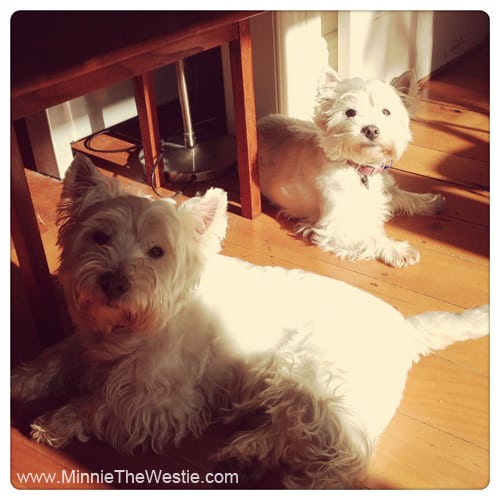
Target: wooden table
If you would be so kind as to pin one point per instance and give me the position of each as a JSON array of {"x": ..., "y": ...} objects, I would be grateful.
[{"x": 58, "y": 56}]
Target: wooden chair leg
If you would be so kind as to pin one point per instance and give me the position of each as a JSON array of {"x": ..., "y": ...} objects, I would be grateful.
[
  {"x": 145, "y": 100},
  {"x": 31, "y": 255},
  {"x": 240, "y": 51}
]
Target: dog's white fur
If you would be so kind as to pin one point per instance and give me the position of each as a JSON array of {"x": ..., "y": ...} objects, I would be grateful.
[
  {"x": 307, "y": 169},
  {"x": 171, "y": 336}
]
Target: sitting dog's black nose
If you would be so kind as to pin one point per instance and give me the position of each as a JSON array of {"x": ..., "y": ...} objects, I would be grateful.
[
  {"x": 371, "y": 132},
  {"x": 114, "y": 284}
]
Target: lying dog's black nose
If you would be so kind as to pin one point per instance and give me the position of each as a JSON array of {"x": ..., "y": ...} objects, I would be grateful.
[
  {"x": 371, "y": 132},
  {"x": 114, "y": 284}
]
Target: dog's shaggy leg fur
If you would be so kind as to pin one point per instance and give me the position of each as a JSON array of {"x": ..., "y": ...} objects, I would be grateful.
[
  {"x": 395, "y": 253},
  {"x": 379, "y": 246},
  {"x": 407, "y": 203},
  {"x": 126, "y": 422},
  {"x": 316, "y": 452},
  {"x": 59, "y": 427},
  {"x": 313, "y": 439},
  {"x": 52, "y": 373}
]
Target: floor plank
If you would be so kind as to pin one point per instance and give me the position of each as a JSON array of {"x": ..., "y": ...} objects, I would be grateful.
[
  {"x": 468, "y": 91},
  {"x": 456, "y": 140},
  {"x": 445, "y": 114},
  {"x": 438, "y": 395},
  {"x": 446, "y": 167},
  {"x": 421, "y": 457}
]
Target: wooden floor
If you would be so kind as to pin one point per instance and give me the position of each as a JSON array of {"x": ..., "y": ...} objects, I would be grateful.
[{"x": 439, "y": 437}]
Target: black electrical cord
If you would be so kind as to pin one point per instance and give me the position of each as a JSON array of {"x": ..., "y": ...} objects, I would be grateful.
[
  {"x": 152, "y": 179},
  {"x": 90, "y": 147},
  {"x": 132, "y": 149}
]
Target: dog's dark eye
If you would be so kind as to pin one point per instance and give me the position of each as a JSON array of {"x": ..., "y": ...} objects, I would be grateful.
[
  {"x": 386, "y": 112},
  {"x": 156, "y": 252},
  {"x": 101, "y": 238},
  {"x": 350, "y": 113}
]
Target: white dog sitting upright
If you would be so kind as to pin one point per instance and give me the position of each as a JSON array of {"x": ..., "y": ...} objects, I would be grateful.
[
  {"x": 332, "y": 174},
  {"x": 171, "y": 336}
]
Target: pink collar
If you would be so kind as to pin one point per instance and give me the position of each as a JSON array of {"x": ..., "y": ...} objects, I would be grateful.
[{"x": 368, "y": 169}]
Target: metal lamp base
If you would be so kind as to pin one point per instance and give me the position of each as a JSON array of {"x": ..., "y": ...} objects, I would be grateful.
[
  {"x": 207, "y": 159},
  {"x": 191, "y": 159}
]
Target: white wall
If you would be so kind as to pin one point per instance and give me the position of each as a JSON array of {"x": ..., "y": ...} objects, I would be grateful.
[
  {"x": 384, "y": 44},
  {"x": 52, "y": 131},
  {"x": 302, "y": 52},
  {"x": 379, "y": 44}
]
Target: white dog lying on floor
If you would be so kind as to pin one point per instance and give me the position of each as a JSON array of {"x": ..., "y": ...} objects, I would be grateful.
[
  {"x": 171, "y": 336},
  {"x": 332, "y": 175}
]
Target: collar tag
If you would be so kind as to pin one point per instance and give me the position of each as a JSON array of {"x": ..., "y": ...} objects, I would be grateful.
[{"x": 368, "y": 169}]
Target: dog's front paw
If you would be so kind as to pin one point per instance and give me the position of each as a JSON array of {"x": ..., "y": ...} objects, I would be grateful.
[
  {"x": 230, "y": 460},
  {"x": 400, "y": 254},
  {"x": 437, "y": 204},
  {"x": 44, "y": 431},
  {"x": 248, "y": 469},
  {"x": 58, "y": 428}
]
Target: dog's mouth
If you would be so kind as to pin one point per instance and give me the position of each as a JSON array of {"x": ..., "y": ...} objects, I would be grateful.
[
  {"x": 370, "y": 143},
  {"x": 370, "y": 154},
  {"x": 119, "y": 328},
  {"x": 104, "y": 316},
  {"x": 376, "y": 151},
  {"x": 113, "y": 303}
]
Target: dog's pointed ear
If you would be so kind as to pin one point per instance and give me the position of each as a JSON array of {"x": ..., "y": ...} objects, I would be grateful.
[
  {"x": 408, "y": 89},
  {"x": 83, "y": 181},
  {"x": 328, "y": 78},
  {"x": 84, "y": 186},
  {"x": 206, "y": 217},
  {"x": 325, "y": 95}
]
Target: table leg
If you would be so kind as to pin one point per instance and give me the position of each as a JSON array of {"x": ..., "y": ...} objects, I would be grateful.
[
  {"x": 240, "y": 51},
  {"x": 31, "y": 255},
  {"x": 145, "y": 100}
]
